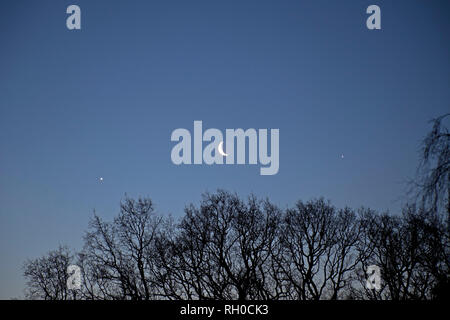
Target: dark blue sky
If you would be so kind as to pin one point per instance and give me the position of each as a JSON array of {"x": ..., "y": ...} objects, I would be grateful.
[{"x": 103, "y": 102}]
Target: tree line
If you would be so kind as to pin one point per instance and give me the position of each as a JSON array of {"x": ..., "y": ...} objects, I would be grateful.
[{"x": 229, "y": 247}]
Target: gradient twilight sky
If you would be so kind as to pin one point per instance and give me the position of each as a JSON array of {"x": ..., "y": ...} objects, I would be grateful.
[{"x": 103, "y": 102}]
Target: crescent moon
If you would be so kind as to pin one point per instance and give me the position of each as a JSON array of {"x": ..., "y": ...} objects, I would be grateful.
[{"x": 220, "y": 148}]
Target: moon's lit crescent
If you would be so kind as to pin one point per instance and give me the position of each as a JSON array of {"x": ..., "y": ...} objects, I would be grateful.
[{"x": 220, "y": 148}]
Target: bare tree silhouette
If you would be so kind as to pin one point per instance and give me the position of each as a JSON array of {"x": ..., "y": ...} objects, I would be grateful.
[
  {"x": 433, "y": 174},
  {"x": 47, "y": 276},
  {"x": 222, "y": 249},
  {"x": 228, "y": 248},
  {"x": 411, "y": 251},
  {"x": 319, "y": 250},
  {"x": 119, "y": 258}
]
